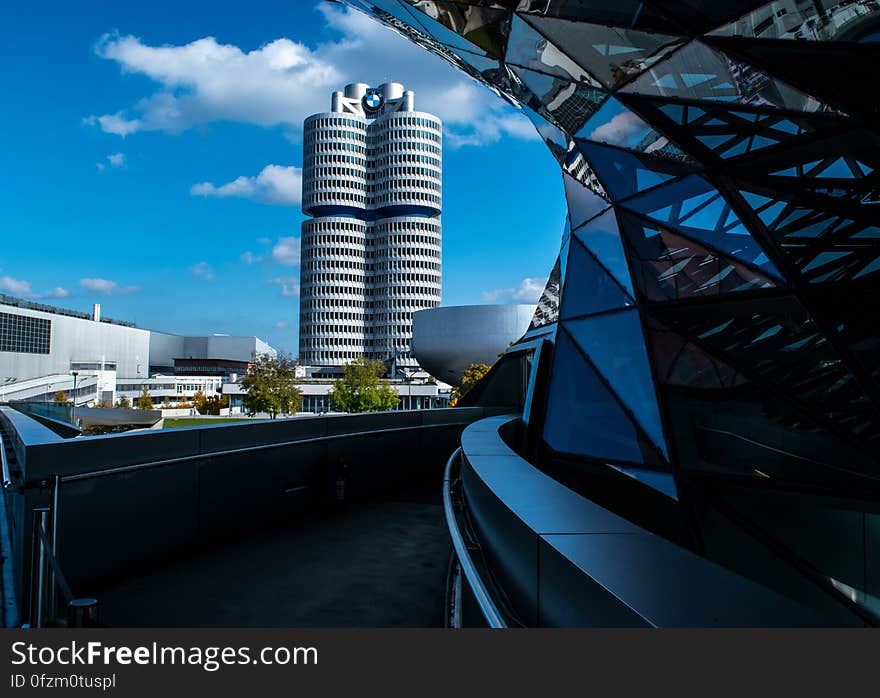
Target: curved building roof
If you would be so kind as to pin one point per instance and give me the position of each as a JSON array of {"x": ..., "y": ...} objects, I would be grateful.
[{"x": 448, "y": 339}]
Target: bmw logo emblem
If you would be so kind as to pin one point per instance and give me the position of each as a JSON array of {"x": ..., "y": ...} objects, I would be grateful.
[{"x": 372, "y": 101}]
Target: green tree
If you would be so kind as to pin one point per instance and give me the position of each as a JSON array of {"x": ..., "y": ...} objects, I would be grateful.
[
  {"x": 123, "y": 403},
  {"x": 145, "y": 401},
  {"x": 215, "y": 403},
  {"x": 469, "y": 379},
  {"x": 200, "y": 402},
  {"x": 271, "y": 386},
  {"x": 166, "y": 403},
  {"x": 60, "y": 398},
  {"x": 359, "y": 389}
]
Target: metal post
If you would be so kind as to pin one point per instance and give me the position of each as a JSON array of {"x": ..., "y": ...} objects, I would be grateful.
[
  {"x": 73, "y": 409},
  {"x": 82, "y": 613},
  {"x": 52, "y": 589},
  {"x": 37, "y": 599}
]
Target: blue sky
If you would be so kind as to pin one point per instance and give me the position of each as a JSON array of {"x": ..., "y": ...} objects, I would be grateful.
[{"x": 152, "y": 152}]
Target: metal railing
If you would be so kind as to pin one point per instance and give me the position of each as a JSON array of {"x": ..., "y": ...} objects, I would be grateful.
[
  {"x": 487, "y": 606},
  {"x": 252, "y": 449},
  {"x": 4, "y": 464},
  {"x": 733, "y": 436},
  {"x": 46, "y": 577}
]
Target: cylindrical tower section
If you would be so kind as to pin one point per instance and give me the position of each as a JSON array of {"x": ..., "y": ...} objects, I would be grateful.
[
  {"x": 334, "y": 164},
  {"x": 407, "y": 271},
  {"x": 333, "y": 322},
  {"x": 371, "y": 255},
  {"x": 407, "y": 149}
]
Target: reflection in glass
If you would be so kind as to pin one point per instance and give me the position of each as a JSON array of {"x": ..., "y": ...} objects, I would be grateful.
[
  {"x": 615, "y": 345},
  {"x": 582, "y": 416},
  {"x": 699, "y": 72}
]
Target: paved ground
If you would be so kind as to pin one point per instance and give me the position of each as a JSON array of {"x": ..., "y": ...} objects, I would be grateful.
[{"x": 378, "y": 563}]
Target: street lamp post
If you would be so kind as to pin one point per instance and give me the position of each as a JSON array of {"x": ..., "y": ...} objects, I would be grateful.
[{"x": 73, "y": 409}]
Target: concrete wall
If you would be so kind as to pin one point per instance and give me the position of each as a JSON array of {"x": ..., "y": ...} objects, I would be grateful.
[{"x": 78, "y": 339}]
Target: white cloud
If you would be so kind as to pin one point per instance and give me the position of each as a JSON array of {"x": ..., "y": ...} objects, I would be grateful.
[
  {"x": 289, "y": 286},
  {"x": 619, "y": 129},
  {"x": 528, "y": 291},
  {"x": 275, "y": 184},
  {"x": 250, "y": 258},
  {"x": 114, "y": 123},
  {"x": 57, "y": 292},
  {"x": 105, "y": 286},
  {"x": 282, "y": 324},
  {"x": 17, "y": 287},
  {"x": 203, "y": 270},
  {"x": 115, "y": 160},
  {"x": 283, "y": 81},
  {"x": 286, "y": 251},
  {"x": 20, "y": 287}
]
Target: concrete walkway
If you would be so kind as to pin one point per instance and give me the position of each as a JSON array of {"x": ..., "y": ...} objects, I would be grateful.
[{"x": 377, "y": 563}]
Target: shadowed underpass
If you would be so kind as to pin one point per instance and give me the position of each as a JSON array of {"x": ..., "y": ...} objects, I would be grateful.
[{"x": 380, "y": 562}]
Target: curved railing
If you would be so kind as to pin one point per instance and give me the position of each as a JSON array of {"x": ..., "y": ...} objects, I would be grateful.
[
  {"x": 487, "y": 606},
  {"x": 559, "y": 558}
]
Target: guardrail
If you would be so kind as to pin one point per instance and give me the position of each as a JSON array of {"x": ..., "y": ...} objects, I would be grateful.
[
  {"x": 46, "y": 577},
  {"x": 212, "y": 481},
  {"x": 487, "y": 607},
  {"x": 4, "y": 466},
  {"x": 558, "y": 558},
  {"x": 252, "y": 449}
]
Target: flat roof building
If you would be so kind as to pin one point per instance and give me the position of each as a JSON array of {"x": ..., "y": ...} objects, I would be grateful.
[{"x": 41, "y": 346}]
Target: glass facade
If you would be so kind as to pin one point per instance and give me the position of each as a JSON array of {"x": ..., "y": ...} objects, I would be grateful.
[
  {"x": 25, "y": 334},
  {"x": 715, "y": 307}
]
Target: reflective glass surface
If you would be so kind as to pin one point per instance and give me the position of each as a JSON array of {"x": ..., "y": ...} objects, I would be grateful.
[
  {"x": 699, "y": 72},
  {"x": 582, "y": 415},
  {"x": 614, "y": 343},
  {"x": 721, "y": 166},
  {"x": 602, "y": 237},
  {"x": 589, "y": 288}
]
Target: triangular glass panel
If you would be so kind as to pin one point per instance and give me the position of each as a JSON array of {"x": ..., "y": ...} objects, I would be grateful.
[
  {"x": 471, "y": 28},
  {"x": 601, "y": 236},
  {"x": 693, "y": 206},
  {"x": 616, "y": 125},
  {"x": 588, "y": 287},
  {"x": 615, "y": 345},
  {"x": 716, "y": 77},
  {"x": 624, "y": 173},
  {"x": 570, "y": 104},
  {"x": 583, "y": 203},
  {"x": 529, "y": 49},
  {"x": 547, "y": 310},
  {"x": 583, "y": 417},
  {"x": 666, "y": 265},
  {"x": 612, "y": 54}
]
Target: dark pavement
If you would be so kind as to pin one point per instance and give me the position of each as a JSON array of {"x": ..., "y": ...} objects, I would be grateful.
[{"x": 376, "y": 563}]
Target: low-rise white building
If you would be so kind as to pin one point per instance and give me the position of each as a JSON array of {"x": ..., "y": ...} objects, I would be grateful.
[
  {"x": 175, "y": 388},
  {"x": 45, "y": 350},
  {"x": 413, "y": 395}
]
